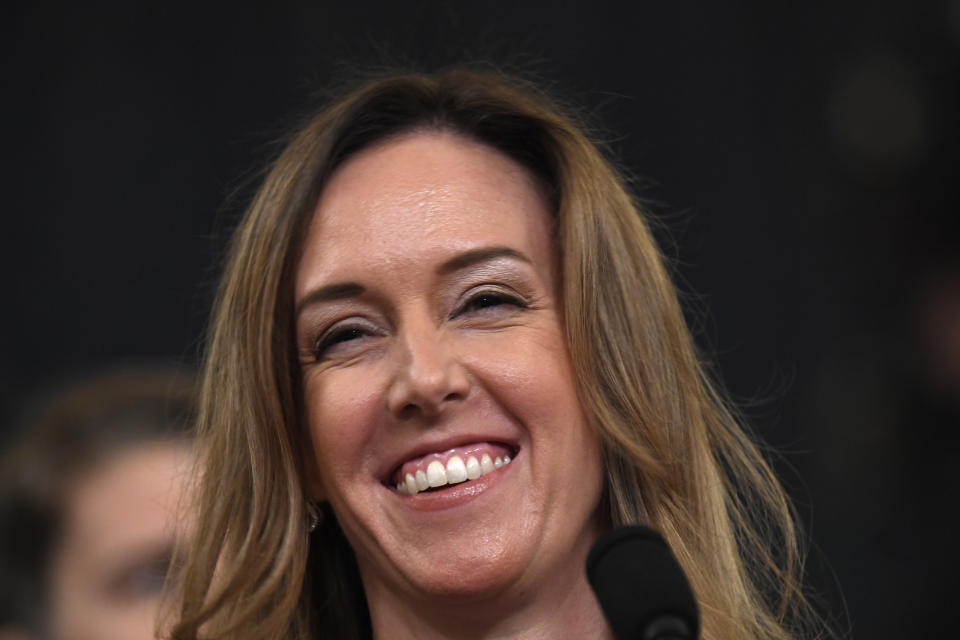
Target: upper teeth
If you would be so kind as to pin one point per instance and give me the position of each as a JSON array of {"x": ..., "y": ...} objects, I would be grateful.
[{"x": 456, "y": 470}]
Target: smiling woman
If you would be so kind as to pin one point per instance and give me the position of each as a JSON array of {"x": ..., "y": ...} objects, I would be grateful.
[
  {"x": 444, "y": 359},
  {"x": 451, "y": 328}
]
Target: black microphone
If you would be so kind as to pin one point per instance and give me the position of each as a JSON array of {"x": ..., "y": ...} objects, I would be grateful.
[{"x": 641, "y": 587}]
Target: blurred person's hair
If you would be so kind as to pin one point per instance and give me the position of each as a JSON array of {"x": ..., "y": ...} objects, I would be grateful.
[{"x": 67, "y": 433}]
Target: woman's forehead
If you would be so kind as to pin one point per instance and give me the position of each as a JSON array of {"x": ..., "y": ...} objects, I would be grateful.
[
  {"x": 423, "y": 169},
  {"x": 423, "y": 196}
]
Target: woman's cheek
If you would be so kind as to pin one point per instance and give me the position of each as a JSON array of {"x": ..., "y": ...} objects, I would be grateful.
[
  {"x": 531, "y": 364},
  {"x": 343, "y": 408}
]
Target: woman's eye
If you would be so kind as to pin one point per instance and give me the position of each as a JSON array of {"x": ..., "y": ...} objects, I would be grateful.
[
  {"x": 337, "y": 337},
  {"x": 490, "y": 299}
]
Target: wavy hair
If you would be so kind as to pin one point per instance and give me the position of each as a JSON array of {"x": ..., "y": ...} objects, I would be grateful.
[{"x": 675, "y": 456}]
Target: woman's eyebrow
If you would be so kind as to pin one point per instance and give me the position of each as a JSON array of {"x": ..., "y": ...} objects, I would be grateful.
[
  {"x": 474, "y": 256},
  {"x": 336, "y": 291},
  {"x": 341, "y": 290}
]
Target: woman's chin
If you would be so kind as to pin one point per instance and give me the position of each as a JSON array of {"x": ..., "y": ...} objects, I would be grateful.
[
  {"x": 472, "y": 573},
  {"x": 470, "y": 582}
]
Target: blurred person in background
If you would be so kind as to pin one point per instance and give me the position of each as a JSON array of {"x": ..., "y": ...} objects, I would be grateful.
[{"x": 88, "y": 498}]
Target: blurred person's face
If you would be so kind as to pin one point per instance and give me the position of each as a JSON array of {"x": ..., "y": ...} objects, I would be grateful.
[
  {"x": 430, "y": 339},
  {"x": 108, "y": 568}
]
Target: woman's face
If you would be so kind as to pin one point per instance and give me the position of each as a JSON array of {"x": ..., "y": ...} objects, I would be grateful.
[{"x": 445, "y": 425}]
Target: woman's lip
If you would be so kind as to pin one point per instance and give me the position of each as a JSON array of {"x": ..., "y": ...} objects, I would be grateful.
[{"x": 454, "y": 495}]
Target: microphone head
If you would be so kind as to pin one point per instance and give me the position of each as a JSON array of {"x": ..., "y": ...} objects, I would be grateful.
[{"x": 641, "y": 588}]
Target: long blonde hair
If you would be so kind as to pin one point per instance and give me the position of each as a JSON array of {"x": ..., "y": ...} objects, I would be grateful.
[{"x": 675, "y": 457}]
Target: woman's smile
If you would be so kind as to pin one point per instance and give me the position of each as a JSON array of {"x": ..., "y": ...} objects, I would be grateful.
[
  {"x": 446, "y": 427},
  {"x": 451, "y": 467}
]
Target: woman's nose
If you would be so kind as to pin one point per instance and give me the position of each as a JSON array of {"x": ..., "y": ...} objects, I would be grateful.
[{"x": 428, "y": 375}]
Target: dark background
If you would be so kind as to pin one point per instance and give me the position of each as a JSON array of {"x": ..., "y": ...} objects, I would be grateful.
[{"x": 801, "y": 156}]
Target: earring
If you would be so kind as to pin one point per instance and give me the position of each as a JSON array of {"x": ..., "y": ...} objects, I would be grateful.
[{"x": 316, "y": 516}]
